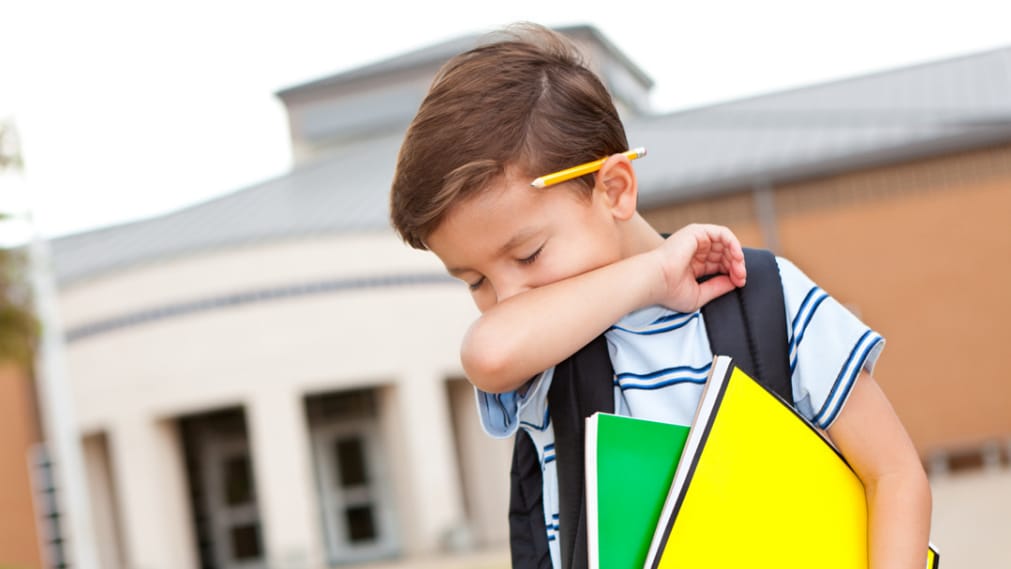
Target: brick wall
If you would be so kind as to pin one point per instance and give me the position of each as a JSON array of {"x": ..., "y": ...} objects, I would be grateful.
[{"x": 922, "y": 252}]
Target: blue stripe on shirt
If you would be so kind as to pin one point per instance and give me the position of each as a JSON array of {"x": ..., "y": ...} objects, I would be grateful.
[
  {"x": 670, "y": 317},
  {"x": 816, "y": 296},
  {"x": 542, "y": 426},
  {"x": 549, "y": 453},
  {"x": 803, "y": 305},
  {"x": 847, "y": 376},
  {"x": 652, "y": 374},
  {"x": 651, "y": 331},
  {"x": 552, "y": 527},
  {"x": 663, "y": 378}
]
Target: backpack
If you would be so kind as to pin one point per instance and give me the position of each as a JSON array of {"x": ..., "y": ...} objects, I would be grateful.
[{"x": 748, "y": 324}]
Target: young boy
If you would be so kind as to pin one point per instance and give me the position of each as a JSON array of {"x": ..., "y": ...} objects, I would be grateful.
[{"x": 551, "y": 269}]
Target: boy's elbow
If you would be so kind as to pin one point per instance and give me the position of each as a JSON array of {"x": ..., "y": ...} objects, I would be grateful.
[
  {"x": 485, "y": 362},
  {"x": 484, "y": 371},
  {"x": 917, "y": 477},
  {"x": 907, "y": 483},
  {"x": 914, "y": 475}
]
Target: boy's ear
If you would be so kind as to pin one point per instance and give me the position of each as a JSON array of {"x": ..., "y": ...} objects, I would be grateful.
[{"x": 618, "y": 186}]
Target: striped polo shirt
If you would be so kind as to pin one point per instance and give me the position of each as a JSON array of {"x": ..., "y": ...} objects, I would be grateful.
[{"x": 661, "y": 359}]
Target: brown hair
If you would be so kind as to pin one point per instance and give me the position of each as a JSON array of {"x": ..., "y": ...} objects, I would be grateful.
[{"x": 526, "y": 100}]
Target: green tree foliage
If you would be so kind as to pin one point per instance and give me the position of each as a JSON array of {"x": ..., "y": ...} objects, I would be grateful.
[{"x": 19, "y": 329}]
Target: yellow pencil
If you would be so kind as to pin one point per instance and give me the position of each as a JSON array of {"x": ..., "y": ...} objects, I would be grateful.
[{"x": 582, "y": 169}]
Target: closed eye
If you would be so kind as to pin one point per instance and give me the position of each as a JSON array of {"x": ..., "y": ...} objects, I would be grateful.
[
  {"x": 529, "y": 260},
  {"x": 476, "y": 285}
]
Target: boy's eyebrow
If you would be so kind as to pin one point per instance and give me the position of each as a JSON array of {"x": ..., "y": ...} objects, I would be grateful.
[{"x": 520, "y": 237}]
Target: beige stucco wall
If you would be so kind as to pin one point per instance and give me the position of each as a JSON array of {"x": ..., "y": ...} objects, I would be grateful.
[
  {"x": 133, "y": 383},
  {"x": 484, "y": 467}
]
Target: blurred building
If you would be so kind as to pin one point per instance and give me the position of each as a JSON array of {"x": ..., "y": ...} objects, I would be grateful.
[
  {"x": 20, "y": 539},
  {"x": 271, "y": 379},
  {"x": 31, "y": 535}
]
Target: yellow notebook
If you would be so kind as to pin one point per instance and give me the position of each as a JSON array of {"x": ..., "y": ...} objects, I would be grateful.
[{"x": 759, "y": 486}]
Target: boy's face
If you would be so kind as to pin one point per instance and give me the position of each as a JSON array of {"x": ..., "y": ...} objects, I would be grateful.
[{"x": 511, "y": 237}]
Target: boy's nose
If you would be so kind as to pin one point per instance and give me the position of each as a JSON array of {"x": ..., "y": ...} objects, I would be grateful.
[{"x": 504, "y": 291}]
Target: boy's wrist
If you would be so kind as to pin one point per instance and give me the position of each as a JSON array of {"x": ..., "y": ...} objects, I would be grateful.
[
  {"x": 643, "y": 279},
  {"x": 656, "y": 278}
]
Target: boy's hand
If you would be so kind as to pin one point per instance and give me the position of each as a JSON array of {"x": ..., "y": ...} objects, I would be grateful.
[{"x": 695, "y": 251}]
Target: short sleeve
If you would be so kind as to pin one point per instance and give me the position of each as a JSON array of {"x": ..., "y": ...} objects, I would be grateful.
[
  {"x": 828, "y": 345},
  {"x": 503, "y": 413}
]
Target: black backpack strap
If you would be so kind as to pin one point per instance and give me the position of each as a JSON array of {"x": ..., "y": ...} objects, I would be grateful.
[
  {"x": 749, "y": 324},
  {"x": 582, "y": 385},
  {"x": 528, "y": 536}
]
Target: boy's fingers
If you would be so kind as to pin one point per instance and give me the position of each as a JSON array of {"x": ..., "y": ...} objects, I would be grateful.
[
  {"x": 714, "y": 288},
  {"x": 727, "y": 252},
  {"x": 725, "y": 264},
  {"x": 738, "y": 272}
]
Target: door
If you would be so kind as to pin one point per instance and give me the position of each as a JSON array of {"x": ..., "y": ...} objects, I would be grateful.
[
  {"x": 356, "y": 503},
  {"x": 227, "y": 472}
]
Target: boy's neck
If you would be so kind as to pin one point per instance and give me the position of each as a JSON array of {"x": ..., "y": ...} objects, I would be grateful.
[{"x": 638, "y": 236}]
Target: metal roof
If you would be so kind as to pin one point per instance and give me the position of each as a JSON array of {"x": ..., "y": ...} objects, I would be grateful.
[
  {"x": 343, "y": 192},
  {"x": 878, "y": 118},
  {"x": 888, "y": 116}
]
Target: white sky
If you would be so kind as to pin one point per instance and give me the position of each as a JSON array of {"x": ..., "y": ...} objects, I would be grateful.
[{"x": 130, "y": 109}]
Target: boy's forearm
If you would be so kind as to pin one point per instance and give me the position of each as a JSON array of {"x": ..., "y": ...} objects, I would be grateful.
[
  {"x": 899, "y": 521},
  {"x": 537, "y": 329},
  {"x": 871, "y": 437}
]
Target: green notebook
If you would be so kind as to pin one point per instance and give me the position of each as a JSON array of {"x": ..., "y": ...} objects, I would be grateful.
[{"x": 629, "y": 467}]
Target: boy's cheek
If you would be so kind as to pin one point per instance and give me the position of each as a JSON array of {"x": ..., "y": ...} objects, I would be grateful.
[
  {"x": 483, "y": 299},
  {"x": 568, "y": 270}
]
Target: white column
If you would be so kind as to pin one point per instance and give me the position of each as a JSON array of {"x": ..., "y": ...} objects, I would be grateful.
[
  {"x": 59, "y": 415},
  {"x": 436, "y": 507},
  {"x": 150, "y": 477},
  {"x": 108, "y": 530},
  {"x": 286, "y": 489}
]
